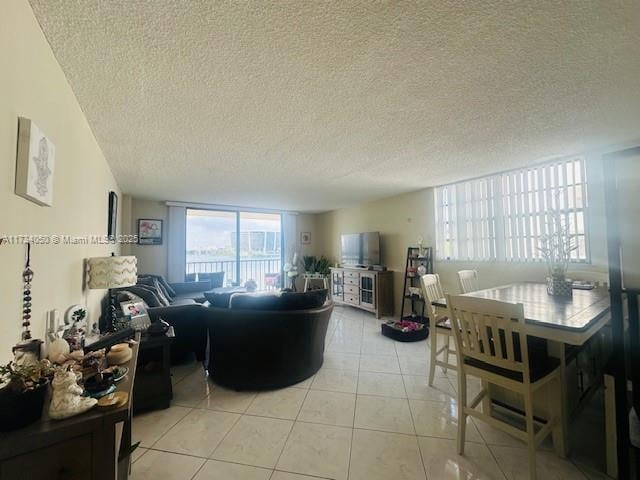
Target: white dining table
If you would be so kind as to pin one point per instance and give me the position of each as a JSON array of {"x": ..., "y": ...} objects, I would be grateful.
[{"x": 562, "y": 321}]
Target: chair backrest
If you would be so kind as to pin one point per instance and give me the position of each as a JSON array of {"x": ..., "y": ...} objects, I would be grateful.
[
  {"x": 490, "y": 331},
  {"x": 468, "y": 281},
  {"x": 431, "y": 291}
]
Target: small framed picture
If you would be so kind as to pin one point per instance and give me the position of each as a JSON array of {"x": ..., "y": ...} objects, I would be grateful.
[
  {"x": 305, "y": 238},
  {"x": 149, "y": 231},
  {"x": 138, "y": 312}
]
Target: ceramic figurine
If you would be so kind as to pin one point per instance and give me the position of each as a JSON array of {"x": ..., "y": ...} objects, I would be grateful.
[
  {"x": 67, "y": 399},
  {"x": 58, "y": 350}
]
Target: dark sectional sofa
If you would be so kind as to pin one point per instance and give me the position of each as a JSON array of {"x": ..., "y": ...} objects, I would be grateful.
[
  {"x": 255, "y": 342},
  {"x": 253, "y": 349}
]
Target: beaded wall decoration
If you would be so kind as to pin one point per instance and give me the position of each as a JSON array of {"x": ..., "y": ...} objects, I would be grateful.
[{"x": 27, "y": 277}]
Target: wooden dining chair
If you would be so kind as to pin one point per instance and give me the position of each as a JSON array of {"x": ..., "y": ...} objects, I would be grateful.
[
  {"x": 491, "y": 343},
  {"x": 468, "y": 281},
  {"x": 438, "y": 324}
]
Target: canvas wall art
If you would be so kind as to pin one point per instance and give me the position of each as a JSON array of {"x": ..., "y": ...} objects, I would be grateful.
[
  {"x": 149, "y": 231},
  {"x": 35, "y": 164}
]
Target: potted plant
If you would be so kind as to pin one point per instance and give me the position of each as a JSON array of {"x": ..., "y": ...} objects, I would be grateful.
[
  {"x": 309, "y": 262},
  {"x": 323, "y": 266},
  {"x": 23, "y": 389},
  {"x": 556, "y": 247}
]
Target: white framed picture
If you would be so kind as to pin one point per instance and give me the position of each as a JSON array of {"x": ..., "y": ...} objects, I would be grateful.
[
  {"x": 35, "y": 164},
  {"x": 138, "y": 312}
]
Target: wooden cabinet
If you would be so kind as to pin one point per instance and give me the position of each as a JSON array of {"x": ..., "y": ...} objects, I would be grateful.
[
  {"x": 95, "y": 445},
  {"x": 366, "y": 289}
]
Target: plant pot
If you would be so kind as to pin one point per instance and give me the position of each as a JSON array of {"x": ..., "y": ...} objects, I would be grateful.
[
  {"x": 559, "y": 287},
  {"x": 18, "y": 410}
]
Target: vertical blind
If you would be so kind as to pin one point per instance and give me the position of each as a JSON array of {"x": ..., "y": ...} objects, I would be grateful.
[{"x": 504, "y": 216}]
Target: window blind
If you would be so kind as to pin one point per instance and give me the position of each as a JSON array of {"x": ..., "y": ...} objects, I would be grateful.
[{"x": 504, "y": 216}]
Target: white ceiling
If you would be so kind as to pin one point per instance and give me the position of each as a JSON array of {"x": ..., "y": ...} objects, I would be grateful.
[{"x": 314, "y": 105}]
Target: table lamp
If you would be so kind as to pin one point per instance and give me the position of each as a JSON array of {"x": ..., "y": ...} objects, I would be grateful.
[{"x": 109, "y": 273}]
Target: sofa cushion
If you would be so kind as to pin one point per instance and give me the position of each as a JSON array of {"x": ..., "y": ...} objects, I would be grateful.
[
  {"x": 283, "y": 302},
  {"x": 184, "y": 301},
  {"x": 303, "y": 300},
  {"x": 252, "y": 301}
]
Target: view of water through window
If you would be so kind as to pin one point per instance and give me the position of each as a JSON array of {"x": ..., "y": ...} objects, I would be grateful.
[{"x": 244, "y": 245}]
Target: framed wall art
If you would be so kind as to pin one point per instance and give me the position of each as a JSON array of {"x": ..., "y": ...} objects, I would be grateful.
[
  {"x": 35, "y": 162},
  {"x": 305, "y": 238},
  {"x": 112, "y": 220},
  {"x": 149, "y": 231}
]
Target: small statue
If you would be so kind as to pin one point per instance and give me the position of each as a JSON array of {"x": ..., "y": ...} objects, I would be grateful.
[{"x": 67, "y": 399}]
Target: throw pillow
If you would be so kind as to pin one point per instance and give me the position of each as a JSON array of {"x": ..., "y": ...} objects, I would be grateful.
[
  {"x": 146, "y": 294},
  {"x": 303, "y": 300},
  {"x": 169, "y": 289},
  {"x": 154, "y": 281}
]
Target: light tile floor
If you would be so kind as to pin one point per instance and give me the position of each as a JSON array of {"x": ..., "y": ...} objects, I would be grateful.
[{"x": 368, "y": 414}]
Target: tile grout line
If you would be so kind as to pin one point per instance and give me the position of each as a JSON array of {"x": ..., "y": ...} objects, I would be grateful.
[
  {"x": 355, "y": 405},
  {"x": 284, "y": 446},
  {"x": 413, "y": 422}
]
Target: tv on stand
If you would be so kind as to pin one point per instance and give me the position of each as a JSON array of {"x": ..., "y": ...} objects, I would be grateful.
[{"x": 360, "y": 250}]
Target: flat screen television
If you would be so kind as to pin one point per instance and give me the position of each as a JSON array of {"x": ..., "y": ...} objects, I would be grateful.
[{"x": 360, "y": 249}]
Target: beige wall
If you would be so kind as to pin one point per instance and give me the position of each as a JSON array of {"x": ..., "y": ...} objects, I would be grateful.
[
  {"x": 151, "y": 258},
  {"x": 33, "y": 85},
  {"x": 402, "y": 219}
]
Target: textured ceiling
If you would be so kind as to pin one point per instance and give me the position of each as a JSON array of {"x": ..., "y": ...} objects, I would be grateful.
[{"x": 313, "y": 105}]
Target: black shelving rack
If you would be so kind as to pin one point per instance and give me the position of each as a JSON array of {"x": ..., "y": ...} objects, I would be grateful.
[{"x": 413, "y": 305}]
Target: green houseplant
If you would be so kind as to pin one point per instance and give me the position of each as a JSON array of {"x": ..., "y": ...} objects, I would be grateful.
[{"x": 23, "y": 389}]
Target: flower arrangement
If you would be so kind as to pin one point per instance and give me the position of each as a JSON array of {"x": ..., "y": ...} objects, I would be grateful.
[{"x": 556, "y": 247}]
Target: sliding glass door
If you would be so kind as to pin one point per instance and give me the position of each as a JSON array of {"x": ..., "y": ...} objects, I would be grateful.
[
  {"x": 260, "y": 249},
  {"x": 244, "y": 245}
]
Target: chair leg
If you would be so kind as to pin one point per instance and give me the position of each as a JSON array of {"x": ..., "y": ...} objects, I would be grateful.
[
  {"x": 434, "y": 349},
  {"x": 446, "y": 353},
  {"x": 531, "y": 433},
  {"x": 557, "y": 433},
  {"x": 462, "y": 404}
]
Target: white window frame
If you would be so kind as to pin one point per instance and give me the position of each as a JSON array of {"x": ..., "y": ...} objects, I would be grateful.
[{"x": 499, "y": 217}]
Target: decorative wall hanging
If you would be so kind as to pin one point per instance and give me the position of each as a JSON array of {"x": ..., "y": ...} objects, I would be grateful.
[
  {"x": 112, "y": 222},
  {"x": 305, "y": 238},
  {"x": 149, "y": 231},
  {"x": 27, "y": 277},
  {"x": 34, "y": 164},
  {"x": 27, "y": 351}
]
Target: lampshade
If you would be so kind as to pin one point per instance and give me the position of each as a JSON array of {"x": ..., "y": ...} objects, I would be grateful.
[{"x": 112, "y": 272}]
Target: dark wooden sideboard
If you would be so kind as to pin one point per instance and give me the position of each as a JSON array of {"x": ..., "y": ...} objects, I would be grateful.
[{"x": 95, "y": 445}]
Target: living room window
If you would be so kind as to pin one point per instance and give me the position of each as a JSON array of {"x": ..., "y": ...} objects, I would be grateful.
[
  {"x": 503, "y": 216},
  {"x": 245, "y": 245}
]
